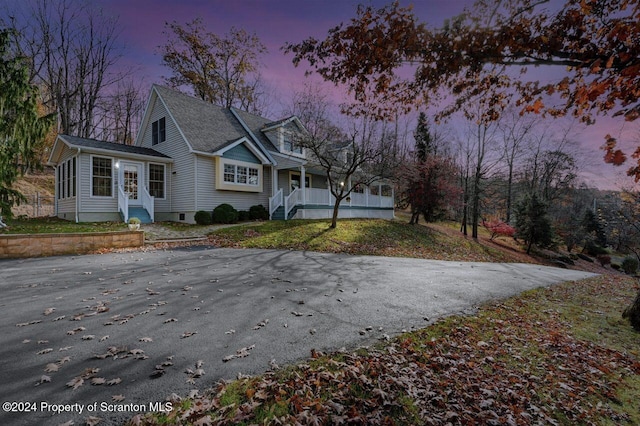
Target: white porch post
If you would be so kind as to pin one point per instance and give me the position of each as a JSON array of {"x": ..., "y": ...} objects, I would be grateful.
[
  {"x": 366, "y": 196},
  {"x": 274, "y": 180},
  {"x": 349, "y": 189},
  {"x": 380, "y": 194},
  {"x": 303, "y": 184}
]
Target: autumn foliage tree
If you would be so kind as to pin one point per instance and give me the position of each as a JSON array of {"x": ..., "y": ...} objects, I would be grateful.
[
  {"x": 470, "y": 55},
  {"x": 219, "y": 69}
]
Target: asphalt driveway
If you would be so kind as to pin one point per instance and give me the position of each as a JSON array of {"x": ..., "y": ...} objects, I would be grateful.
[{"x": 113, "y": 334}]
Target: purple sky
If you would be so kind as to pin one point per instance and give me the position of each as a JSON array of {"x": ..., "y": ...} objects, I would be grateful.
[
  {"x": 279, "y": 21},
  {"x": 274, "y": 21}
]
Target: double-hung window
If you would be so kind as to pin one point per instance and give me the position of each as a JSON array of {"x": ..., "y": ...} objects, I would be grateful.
[
  {"x": 156, "y": 180},
  {"x": 158, "y": 131},
  {"x": 290, "y": 146},
  {"x": 101, "y": 177}
]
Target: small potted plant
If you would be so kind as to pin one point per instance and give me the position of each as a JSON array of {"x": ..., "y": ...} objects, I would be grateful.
[{"x": 134, "y": 224}]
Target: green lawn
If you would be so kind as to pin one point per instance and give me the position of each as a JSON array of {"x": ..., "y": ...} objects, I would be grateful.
[
  {"x": 58, "y": 226},
  {"x": 358, "y": 236}
]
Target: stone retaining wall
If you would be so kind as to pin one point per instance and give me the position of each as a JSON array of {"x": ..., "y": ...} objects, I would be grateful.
[{"x": 35, "y": 245}]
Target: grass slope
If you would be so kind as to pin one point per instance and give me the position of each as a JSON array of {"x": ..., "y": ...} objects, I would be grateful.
[{"x": 360, "y": 236}]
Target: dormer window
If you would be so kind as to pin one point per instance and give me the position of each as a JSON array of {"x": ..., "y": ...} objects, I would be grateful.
[{"x": 290, "y": 146}]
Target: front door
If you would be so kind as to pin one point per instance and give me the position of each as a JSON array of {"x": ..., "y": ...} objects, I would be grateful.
[{"x": 131, "y": 179}]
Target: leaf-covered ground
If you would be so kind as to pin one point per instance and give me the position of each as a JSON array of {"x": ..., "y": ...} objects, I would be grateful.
[{"x": 560, "y": 355}]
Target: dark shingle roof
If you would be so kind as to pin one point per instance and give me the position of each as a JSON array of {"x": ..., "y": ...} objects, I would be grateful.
[
  {"x": 256, "y": 124},
  {"x": 207, "y": 127},
  {"x": 111, "y": 146}
]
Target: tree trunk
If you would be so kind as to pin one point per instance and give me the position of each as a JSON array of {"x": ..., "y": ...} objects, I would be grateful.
[
  {"x": 415, "y": 217},
  {"x": 334, "y": 217},
  {"x": 509, "y": 194},
  {"x": 475, "y": 208}
]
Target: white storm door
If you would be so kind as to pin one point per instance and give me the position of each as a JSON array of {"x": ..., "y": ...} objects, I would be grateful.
[{"x": 131, "y": 179}]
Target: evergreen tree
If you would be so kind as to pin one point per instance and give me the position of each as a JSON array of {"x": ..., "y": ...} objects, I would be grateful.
[
  {"x": 593, "y": 228},
  {"x": 21, "y": 129},
  {"x": 532, "y": 223},
  {"x": 430, "y": 179},
  {"x": 425, "y": 145}
]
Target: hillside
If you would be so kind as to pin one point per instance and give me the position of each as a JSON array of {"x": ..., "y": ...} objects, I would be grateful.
[{"x": 31, "y": 185}]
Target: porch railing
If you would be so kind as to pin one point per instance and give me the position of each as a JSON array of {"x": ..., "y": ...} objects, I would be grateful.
[
  {"x": 291, "y": 200},
  {"x": 147, "y": 202},
  {"x": 123, "y": 203},
  {"x": 323, "y": 197},
  {"x": 275, "y": 202}
]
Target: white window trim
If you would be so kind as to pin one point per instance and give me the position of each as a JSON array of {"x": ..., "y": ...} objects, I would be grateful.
[
  {"x": 234, "y": 186},
  {"x": 164, "y": 179},
  {"x": 112, "y": 178}
]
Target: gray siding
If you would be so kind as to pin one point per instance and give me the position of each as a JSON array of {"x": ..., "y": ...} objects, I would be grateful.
[
  {"x": 241, "y": 153},
  {"x": 180, "y": 186},
  {"x": 209, "y": 197},
  {"x": 88, "y": 203}
]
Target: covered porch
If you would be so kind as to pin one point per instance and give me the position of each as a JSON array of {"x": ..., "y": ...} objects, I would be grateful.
[{"x": 314, "y": 200}]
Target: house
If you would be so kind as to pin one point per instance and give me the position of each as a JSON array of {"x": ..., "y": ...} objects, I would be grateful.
[{"x": 190, "y": 155}]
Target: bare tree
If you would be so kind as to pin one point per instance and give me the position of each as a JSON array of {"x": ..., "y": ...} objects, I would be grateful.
[
  {"x": 550, "y": 167},
  {"x": 220, "y": 70},
  {"x": 73, "y": 47},
  {"x": 122, "y": 112},
  {"x": 351, "y": 158},
  {"x": 515, "y": 129}
]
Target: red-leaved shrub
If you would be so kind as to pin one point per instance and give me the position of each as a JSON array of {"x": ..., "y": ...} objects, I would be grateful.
[{"x": 498, "y": 228}]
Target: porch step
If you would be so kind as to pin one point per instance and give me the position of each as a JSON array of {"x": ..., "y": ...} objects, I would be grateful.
[
  {"x": 141, "y": 213},
  {"x": 279, "y": 213}
]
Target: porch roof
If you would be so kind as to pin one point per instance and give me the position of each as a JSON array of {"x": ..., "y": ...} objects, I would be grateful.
[{"x": 105, "y": 148}]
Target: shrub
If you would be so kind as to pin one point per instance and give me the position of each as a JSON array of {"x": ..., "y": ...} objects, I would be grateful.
[
  {"x": 632, "y": 313},
  {"x": 134, "y": 221},
  {"x": 594, "y": 249},
  {"x": 258, "y": 212},
  {"x": 604, "y": 259},
  {"x": 630, "y": 265},
  {"x": 616, "y": 266},
  {"x": 498, "y": 229},
  {"x": 202, "y": 217},
  {"x": 243, "y": 215},
  {"x": 225, "y": 213}
]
